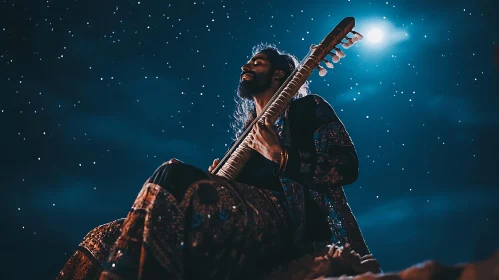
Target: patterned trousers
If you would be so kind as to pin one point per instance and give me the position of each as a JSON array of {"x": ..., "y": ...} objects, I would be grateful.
[{"x": 187, "y": 224}]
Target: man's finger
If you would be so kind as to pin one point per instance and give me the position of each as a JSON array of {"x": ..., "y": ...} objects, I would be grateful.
[
  {"x": 347, "y": 249},
  {"x": 369, "y": 261},
  {"x": 267, "y": 123},
  {"x": 366, "y": 257},
  {"x": 259, "y": 124}
]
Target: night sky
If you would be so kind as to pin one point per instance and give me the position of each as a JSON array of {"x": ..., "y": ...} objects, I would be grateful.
[{"x": 96, "y": 94}]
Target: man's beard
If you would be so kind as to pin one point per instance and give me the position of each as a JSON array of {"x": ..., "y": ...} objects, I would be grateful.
[{"x": 252, "y": 87}]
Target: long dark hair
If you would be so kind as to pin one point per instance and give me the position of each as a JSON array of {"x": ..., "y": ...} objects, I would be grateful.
[{"x": 245, "y": 111}]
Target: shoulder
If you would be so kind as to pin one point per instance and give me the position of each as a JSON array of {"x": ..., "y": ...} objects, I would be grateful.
[
  {"x": 310, "y": 100},
  {"x": 312, "y": 104}
]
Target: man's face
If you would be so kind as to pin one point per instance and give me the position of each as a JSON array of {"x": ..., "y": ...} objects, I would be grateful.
[{"x": 256, "y": 77}]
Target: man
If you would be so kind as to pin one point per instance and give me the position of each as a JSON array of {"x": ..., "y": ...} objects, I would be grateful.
[{"x": 287, "y": 201}]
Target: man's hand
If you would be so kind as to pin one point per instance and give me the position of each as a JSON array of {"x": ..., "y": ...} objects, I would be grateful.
[
  {"x": 369, "y": 263},
  {"x": 264, "y": 140},
  {"x": 215, "y": 163},
  {"x": 352, "y": 260}
]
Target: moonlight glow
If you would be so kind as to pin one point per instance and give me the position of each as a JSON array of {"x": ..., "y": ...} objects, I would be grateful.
[{"x": 375, "y": 35}]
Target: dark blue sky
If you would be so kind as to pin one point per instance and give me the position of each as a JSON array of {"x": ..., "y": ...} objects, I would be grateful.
[{"x": 96, "y": 94}]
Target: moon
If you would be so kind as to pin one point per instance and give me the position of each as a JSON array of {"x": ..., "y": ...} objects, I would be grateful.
[{"x": 375, "y": 35}]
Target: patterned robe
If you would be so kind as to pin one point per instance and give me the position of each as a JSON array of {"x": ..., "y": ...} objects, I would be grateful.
[
  {"x": 230, "y": 228},
  {"x": 322, "y": 159}
]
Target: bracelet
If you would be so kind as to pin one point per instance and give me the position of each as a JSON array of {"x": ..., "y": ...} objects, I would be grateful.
[
  {"x": 284, "y": 161},
  {"x": 281, "y": 161}
]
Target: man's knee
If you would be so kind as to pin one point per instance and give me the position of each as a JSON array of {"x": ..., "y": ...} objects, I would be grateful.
[
  {"x": 172, "y": 161},
  {"x": 176, "y": 176},
  {"x": 163, "y": 173}
]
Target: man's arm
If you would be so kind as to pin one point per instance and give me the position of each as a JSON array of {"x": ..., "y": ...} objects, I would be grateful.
[{"x": 334, "y": 160}]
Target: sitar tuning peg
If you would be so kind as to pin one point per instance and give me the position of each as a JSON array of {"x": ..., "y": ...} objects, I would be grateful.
[
  {"x": 322, "y": 71},
  {"x": 339, "y": 53},
  {"x": 358, "y": 35},
  {"x": 346, "y": 45},
  {"x": 352, "y": 41},
  {"x": 335, "y": 57},
  {"x": 329, "y": 64}
]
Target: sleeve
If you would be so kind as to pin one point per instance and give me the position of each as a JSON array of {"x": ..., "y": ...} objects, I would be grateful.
[{"x": 333, "y": 160}]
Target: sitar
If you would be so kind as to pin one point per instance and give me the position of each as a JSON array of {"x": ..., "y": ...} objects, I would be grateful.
[{"x": 236, "y": 157}]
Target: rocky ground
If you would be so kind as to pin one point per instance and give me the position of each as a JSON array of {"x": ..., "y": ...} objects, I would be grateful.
[{"x": 336, "y": 263}]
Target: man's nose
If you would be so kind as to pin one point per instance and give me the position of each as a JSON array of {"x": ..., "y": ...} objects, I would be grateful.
[{"x": 245, "y": 68}]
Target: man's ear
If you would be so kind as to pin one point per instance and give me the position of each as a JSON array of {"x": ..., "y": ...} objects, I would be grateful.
[{"x": 278, "y": 74}]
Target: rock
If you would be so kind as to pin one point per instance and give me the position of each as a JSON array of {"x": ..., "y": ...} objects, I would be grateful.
[{"x": 338, "y": 263}]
